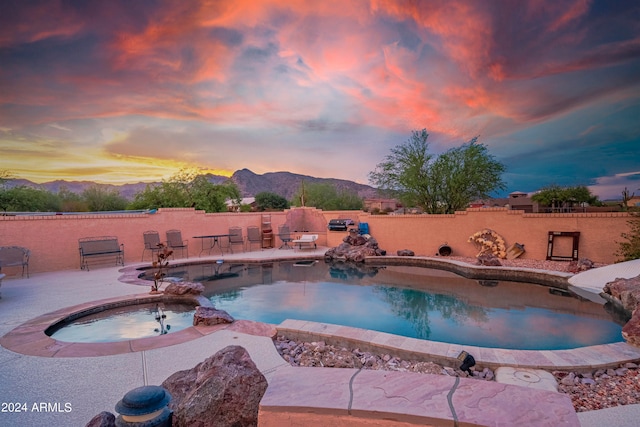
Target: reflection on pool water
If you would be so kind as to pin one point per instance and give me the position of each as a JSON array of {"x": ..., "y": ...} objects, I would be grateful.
[
  {"x": 125, "y": 323},
  {"x": 410, "y": 301}
]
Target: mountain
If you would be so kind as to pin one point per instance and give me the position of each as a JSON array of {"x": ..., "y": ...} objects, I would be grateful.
[{"x": 285, "y": 184}]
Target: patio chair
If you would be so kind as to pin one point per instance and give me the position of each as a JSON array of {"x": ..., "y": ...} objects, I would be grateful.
[
  {"x": 306, "y": 239},
  {"x": 174, "y": 241},
  {"x": 285, "y": 236},
  {"x": 151, "y": 243},
  {"x": 254, "y": 236},
  {"x": 235, "y": 238}
]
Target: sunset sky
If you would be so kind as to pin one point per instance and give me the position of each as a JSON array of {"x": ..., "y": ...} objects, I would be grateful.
[{"x": 124, "y": 91}]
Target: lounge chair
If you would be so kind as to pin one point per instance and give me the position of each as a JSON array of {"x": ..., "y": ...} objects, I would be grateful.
[
  {"x": 151, "y": 243},
  {"x": 306, "y": 239},
  {"x": 174, "y": 241}
]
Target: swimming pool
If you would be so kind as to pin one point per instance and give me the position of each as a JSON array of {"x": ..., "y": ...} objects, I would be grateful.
[{"x": 410, "y": 301}]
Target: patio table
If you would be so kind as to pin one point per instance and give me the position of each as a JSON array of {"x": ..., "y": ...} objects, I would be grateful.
[{"x": 214, "y": 240}]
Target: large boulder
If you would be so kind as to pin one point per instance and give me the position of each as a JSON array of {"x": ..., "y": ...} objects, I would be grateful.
[
  {"x": 224, "y": 390},
  {"x": 184, "y": 288},
  {"x": 626, "y": 290},
  {"x": 103, "y": 419},
  {"x": 209, "y": 316},
  {"x": 631, "y": 331},
  {"x": 355, "y": 248}
]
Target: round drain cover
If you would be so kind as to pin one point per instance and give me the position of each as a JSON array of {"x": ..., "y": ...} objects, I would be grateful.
[{"x": 526, "y": 376}]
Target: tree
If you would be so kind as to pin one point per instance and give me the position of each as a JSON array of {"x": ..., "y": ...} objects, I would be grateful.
[
  {"x": 625, "y": 198},
  {"x": 186, "y": 189},
  {"x": 5, "y": 176},
  {"x": 28, "y": 199},
  {"x": 71, "y": 202},
  {"x": 630, "y": 249},
  {"x": 467, "y": 172},
  {"x": 271, "y": 201},
  {"x": 438, "y": 184},
  {"x": 563, "y": 198},
  {"x": 100, "y": 198},
  {"x": 327, "y": 197},
  {"x": 212, "y": 197}
]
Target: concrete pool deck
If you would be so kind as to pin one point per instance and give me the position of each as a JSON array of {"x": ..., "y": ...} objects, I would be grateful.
[{"x": 93, "y": 384}]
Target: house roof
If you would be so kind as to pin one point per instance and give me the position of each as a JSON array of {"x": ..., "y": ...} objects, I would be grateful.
[{"x": 243, "y": 201}]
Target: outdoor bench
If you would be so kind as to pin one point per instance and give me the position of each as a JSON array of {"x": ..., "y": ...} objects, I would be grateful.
[
  {"x": 103, "y": 246},
  {"x": 15, "y": 256}
]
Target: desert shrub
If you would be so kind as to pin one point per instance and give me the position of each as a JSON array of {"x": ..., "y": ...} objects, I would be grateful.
[{"x": 630, "y": 249}]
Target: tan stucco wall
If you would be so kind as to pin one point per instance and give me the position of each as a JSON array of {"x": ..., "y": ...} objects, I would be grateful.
[
  {"x": 424, "y": 234},
  {"x": 53, "y": 240}
]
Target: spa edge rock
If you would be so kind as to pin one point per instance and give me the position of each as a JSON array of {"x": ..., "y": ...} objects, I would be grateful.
[
  {"x": 627, "y": 291},
  {"x": 209, "y": 316},
  {"x": 184, "y": 288}
]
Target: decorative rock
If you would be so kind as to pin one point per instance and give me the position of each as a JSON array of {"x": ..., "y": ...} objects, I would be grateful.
[
  {"x": 631, "y": 331},
  {"x": 209, "y": 316},
  {"x": 355, "y": 248},
  {"x": 223, "y": 390},
  {"x": 184, "y": 288},
  {"x": 568, "y": 380},
  {"x": 488, "y": 260},
  {"x": 583, "y": 264},
  {"x": 405, "y": 252},
  {"x": 103, "y": 419},
  {"x": 621, "y": 372},
  {"x": 626, "y": 290},
  {"x": 449, "y": 371}
]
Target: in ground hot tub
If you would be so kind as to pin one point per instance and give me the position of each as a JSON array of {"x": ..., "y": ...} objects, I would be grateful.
[{"x": 123, "y": 322}]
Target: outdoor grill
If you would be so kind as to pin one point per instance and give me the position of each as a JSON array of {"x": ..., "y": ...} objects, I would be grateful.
[{"x": 340, "y": 224}]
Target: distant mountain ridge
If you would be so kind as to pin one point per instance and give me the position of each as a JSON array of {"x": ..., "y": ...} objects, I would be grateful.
[{"x": 285, "y": 184}]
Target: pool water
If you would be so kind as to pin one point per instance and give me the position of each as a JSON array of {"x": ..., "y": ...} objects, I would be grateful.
[
  {"x": 126, "y": 323},
  {"x": 409, "y": 301}
]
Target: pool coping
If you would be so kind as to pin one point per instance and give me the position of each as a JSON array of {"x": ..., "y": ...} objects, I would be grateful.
[{"x": 581, "y": 359}]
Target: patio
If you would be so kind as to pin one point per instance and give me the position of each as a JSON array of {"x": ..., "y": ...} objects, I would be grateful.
[{"x": 93, "y": 384}]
